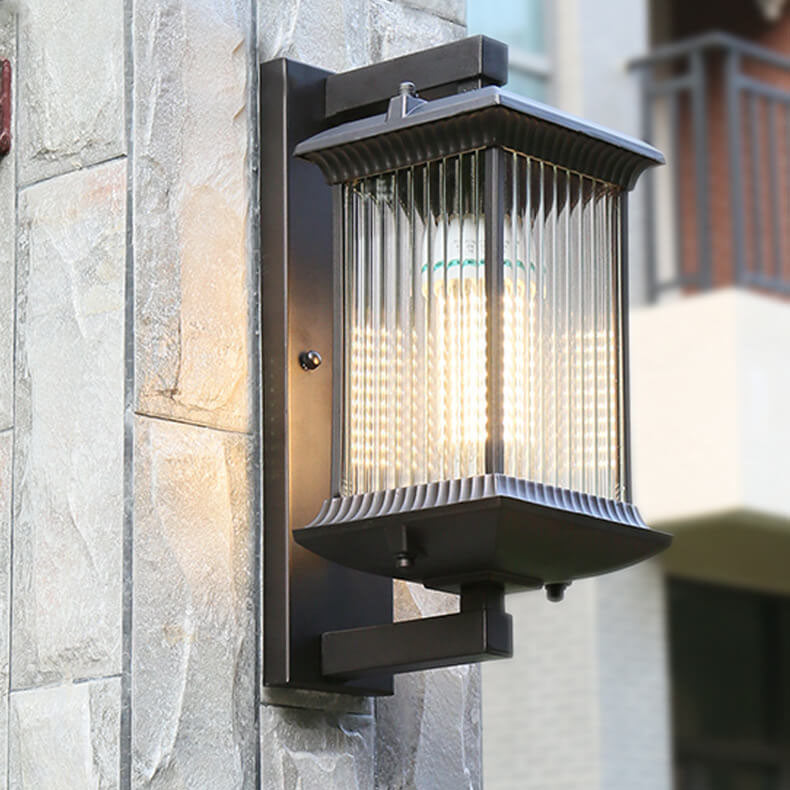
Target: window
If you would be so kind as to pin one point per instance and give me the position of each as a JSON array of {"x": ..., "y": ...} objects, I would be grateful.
[
  {"x": 521, "y": 24},
  {"x": 730, "y": 660}
]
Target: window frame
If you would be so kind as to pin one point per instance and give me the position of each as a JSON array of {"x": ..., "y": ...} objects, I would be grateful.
[
  {"x": 695, "y": 756},
  {"x": 535, "y": 65}
]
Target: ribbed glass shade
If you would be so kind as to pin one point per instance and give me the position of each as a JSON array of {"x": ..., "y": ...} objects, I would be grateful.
[{"x": 416, "y": 397}]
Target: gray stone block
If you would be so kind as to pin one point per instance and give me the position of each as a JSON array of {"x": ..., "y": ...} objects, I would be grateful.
[
  {"x": 68, "y": 466},
  {"x": 66, "y": 737},
  {"x": 6, "y": 455},
  {"x": 71, "y": 100},
  {"x": 7, "y": 237},
  {"x": 193, "y": 272},
  {"x": 193, "y": 664},
  {"x": 346, "y": 34},
  {"x": 397, "y": 29},
  {"x": 450, "y": 10},
  {"x": 311, "y": 750},
  {"x": 428, "y": 734},
  {"x": 330, "y": 34}
]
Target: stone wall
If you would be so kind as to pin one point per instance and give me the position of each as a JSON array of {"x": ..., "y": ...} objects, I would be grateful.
[{"x": 130, "y": 568}]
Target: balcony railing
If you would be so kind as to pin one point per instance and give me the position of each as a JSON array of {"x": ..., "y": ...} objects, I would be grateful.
[{"x": 719, "y": 214}]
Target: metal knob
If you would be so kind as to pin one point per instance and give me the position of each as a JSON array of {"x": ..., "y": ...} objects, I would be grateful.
[
  {"x": 403, "y": 561},
  {"x": 555, "y": 592},
  {"x": 310, "y": 360}
]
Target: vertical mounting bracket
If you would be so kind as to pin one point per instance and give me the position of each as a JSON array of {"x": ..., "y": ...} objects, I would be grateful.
[
  {"x": 303, "y": 594},
  {"x": 328, "y": 627},
  {"x": 5, "y": 107}
]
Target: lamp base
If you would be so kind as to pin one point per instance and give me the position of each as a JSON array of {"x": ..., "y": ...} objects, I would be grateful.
[{"x": 490, "y": 528}]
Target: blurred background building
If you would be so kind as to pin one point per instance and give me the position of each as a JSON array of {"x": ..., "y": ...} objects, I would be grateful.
[{"x": 675, "y": 674}]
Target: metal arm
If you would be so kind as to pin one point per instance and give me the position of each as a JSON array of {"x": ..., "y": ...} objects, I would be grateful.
[{"x": 481, "y": 631}]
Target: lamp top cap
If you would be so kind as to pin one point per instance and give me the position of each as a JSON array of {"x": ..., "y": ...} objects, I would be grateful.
[{"x": 479, "y": 118}]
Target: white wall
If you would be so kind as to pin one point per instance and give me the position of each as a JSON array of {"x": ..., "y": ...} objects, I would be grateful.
[{"x": 710, "y": 417}]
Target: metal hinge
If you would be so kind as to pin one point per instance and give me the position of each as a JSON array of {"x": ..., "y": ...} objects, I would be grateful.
[{"x": 5, "y": 107}]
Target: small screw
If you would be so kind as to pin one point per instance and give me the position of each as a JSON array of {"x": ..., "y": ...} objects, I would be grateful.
[
  {"x": 555, "y": 592},
  {"x": 403, "y": 561},
  {"x": 310, "y": 360},
  {"x": 407, "y": 89}
]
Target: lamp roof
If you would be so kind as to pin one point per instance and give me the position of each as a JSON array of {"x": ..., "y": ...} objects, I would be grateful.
[{"x": 481, "y": 118}]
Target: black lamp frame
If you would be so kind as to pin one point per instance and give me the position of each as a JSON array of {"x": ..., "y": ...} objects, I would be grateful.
[{"x": 328, "y": 587}]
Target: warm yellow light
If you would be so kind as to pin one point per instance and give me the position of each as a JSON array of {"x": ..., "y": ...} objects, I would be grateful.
[{"x": 417, "y": 365}]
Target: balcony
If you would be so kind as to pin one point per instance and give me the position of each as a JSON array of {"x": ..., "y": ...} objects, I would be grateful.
[
  {"x": 719, "y": 214},
  {"x": 710, "y": 378}
]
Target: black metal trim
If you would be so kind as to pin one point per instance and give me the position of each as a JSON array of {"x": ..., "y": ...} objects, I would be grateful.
[{"x": 461, "y": 65}]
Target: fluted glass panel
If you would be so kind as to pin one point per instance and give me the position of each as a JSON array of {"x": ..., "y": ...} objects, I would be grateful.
[
  {"x": 415, "y": 372},
  {"x": 562, "y": 371},
  {"x": 415, "y": 404}
]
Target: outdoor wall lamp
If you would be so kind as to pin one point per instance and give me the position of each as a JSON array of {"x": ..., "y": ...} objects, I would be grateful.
[{"x": 445, "y": 360}]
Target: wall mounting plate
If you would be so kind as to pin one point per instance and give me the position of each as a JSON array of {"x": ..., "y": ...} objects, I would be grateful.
[{"x": 304, "y": 595}]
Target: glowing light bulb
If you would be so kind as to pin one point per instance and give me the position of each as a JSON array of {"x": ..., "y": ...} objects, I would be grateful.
[
  {"x": 416, "y": 390},
  {"x": 453, "y": 287}
]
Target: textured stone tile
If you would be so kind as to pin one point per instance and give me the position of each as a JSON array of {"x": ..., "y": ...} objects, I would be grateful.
[
  {"x": 428, "y": 734},
  {"x": 193, "y": 663},
  {"x": 4, "y": 727},
  {"x": 317, "y": 700},
  {"x": 312, "y": 750},
  {"x": 450, "y": 10},
  {"x": 396, "y": 29},
  {"x": 66, "y": 737},
  {"x": 7, "y": 237},
  {"x": 331, "y": 34},
  {"x": 6, "y": 455},
  {"x": 192, "y": 268},
  {"x": 68, "y": 467},
  {"x": 345, "y": 34},
  {"x": 71, "y": 100},
  {"x": 412, "y": 600}
]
